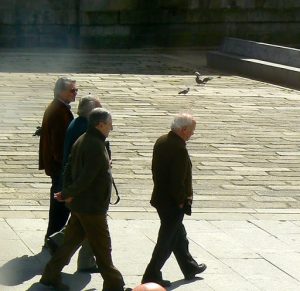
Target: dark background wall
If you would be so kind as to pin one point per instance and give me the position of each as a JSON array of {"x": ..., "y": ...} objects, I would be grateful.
[{"x": 146, "y": 23}]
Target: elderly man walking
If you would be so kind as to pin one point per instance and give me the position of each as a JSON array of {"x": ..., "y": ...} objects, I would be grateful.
[
  {"x": 172, "y": 197},
  {"x": 56, "y": 120},
  {"x": 86, "y": 261},
  {"x": 87, "y": 191}
]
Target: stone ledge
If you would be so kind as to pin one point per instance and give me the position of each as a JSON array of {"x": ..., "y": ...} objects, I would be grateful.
[{"x": 265, "y": 71}]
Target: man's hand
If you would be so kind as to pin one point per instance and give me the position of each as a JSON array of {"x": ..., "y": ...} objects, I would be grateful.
[{"x": 58, "y": 196}]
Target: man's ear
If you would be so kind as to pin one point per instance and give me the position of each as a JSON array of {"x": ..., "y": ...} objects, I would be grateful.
[{"x": 184, "y": 128}]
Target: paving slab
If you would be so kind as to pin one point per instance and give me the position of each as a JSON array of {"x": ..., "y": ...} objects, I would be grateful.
[{"x": 234, "y": 260}]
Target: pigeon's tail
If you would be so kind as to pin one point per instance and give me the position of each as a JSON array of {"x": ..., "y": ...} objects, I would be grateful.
[{"x": 205, "y": 80}]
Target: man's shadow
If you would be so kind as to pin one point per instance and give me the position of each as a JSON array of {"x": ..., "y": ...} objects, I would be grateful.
[
  {"x": 76, "y": 282},
  {"x": 21, "y": 269},
  {"x": 178, "y": 283}
]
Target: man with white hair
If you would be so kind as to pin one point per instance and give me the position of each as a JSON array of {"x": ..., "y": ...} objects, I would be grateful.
[
  {"x": 172, "y": 197},
  {"x": 56, "y": 120}
]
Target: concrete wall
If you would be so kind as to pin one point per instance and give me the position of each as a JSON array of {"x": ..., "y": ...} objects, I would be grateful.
[{"x": 145, "y": 23}]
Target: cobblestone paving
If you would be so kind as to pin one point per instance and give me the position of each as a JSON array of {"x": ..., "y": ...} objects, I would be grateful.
[{"x": 245, "y": 152}]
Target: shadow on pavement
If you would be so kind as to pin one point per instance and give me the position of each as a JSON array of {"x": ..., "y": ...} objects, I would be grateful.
[
  {"x": 178, "y": 283},
  {"x": 76, "y": 282},
  {"x": 20, "y": 269}
]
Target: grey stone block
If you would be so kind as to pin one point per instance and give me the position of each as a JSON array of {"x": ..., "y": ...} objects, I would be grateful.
[
  {"x": 99, "y": 17},
  {"x": 107, "y": 5},
  {"x": 262, "y": 51},
  {"x": 266, "y": 71}
]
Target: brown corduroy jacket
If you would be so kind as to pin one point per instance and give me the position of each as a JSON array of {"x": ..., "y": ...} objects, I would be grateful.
[
  {"x": 171, "y": 172},
  {"x": 56, "y": 120}
]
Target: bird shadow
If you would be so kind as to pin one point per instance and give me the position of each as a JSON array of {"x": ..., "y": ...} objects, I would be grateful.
[
  {"x": 21, "y": 269},
  {"x": 178, "y": 283},
  {"x": 76, "y": 282}
]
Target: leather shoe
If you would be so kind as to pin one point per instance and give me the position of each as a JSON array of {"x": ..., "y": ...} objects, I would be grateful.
[
  {"x": 192, "y": 275},
  {"x": 161, "y": 282},
  {"x": 90, "y": 270},
  {"x": 59, "y": 286}
]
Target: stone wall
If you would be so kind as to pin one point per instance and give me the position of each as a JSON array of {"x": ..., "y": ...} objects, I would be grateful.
[{"x": 145, "y": 23}]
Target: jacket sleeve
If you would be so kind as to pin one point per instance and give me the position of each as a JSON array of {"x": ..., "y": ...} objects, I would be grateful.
[
  {"x": 178, "y": 175},
  {"x": 67, "y": 173},
  {"x": 94, "y": 162},
  {"x": 57, "y": 136}
]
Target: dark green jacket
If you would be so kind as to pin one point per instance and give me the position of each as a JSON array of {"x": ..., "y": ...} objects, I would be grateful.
[
  {"x": 171, "y": 171},
  {"x": 87, "y": 177}
]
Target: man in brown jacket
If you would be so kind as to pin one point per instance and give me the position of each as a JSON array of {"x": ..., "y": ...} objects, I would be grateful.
[
  {"x": 87, "y": 190},
  {"x": 56, "y": 120},
  {"x": 172, "y": 197}
]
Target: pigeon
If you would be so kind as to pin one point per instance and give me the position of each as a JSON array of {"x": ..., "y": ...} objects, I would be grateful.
[
  {"x": 201, "y": 81},
  {"x": 185, "y": 91}
]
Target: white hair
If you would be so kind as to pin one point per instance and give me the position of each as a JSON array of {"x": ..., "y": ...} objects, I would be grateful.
[
  {"x": 87, "y": 104},
  {"x": 61, "y": 85},
  {"x": 182, "y": 120}
]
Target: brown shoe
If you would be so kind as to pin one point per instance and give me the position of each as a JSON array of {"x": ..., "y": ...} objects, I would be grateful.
[{"x": 59, "y": 286}]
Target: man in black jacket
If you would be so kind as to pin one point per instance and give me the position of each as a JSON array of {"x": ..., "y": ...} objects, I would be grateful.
[
  {"x": 87, "y": 191},
  {"x": 172, "y": 197}
]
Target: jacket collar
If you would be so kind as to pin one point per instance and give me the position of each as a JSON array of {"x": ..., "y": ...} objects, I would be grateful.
[
  {"x": 59, "y": 101},
  {"x": 177, "y": 137},
  {"x": 95, "y": 132}
]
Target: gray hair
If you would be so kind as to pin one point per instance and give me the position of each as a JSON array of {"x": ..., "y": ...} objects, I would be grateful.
[
  {"x": 182, "y": 120},
  {"x": 61, "y": 85},
  {"x": 87, "y": 104},
  {"x": 97, "y": 116}
]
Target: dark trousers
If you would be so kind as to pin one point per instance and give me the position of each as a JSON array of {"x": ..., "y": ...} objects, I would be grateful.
[
  {"x": 95, "y": 229},
  {"x": 58, "y": 212},
  {"x": 172, "y": 237}
]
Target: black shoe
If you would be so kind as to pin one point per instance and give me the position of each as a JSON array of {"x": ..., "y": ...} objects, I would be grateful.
[
  {"x": 59, "y": 286},
  {"x": 161, "y": 282},
  {"x": 90, "y": 270},
  {"x": 192, "y": 275},
  {"x": 50, "y": 245}
]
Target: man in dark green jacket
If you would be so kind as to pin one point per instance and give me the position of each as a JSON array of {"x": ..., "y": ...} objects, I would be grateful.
[
  {"x": 87, "y": 191},
  {"x": 172, "y": 197}
]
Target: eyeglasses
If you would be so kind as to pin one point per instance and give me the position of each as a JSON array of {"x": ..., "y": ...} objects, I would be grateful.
[{"x": 73, "y": 91}]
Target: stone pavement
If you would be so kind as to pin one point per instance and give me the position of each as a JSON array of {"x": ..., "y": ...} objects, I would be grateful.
[
  {"x": 245, "y": 151},
  {"x": 245, "y": 156},
  {"x": 241, "y": 255}
]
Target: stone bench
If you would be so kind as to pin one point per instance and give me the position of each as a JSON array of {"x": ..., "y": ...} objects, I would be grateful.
[{"x": 262, "y": 61}]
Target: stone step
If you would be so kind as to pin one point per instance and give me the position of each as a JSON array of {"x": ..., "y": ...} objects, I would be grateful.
[
  {"x": 262, "y": 51},
  {"x": 261, "y": 61}
]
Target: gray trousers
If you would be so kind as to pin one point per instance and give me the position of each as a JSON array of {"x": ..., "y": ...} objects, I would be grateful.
[{"x": 86, "y": 258}]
